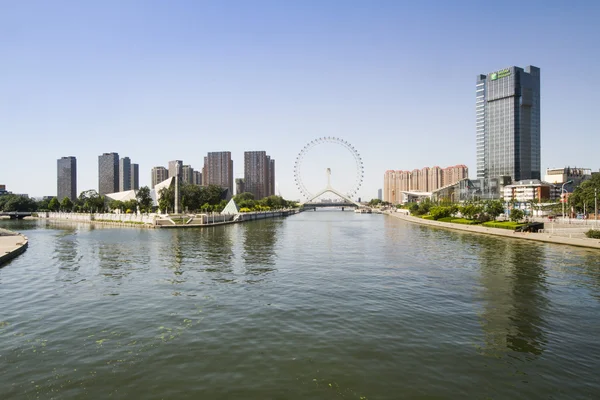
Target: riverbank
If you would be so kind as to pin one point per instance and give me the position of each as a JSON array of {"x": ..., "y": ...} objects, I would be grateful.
[
  {"x": 11, "y": 245},
  {"x": 539, "y": 237},
  {"x": 161, "y": 220}
]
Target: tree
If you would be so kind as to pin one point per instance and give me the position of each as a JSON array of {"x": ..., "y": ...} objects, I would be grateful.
[
  {"x": 116, "y": 205},
  {"x": 91, "y": 201},
  {"x": 192, "y": 197},
  {"x": 66, "y": 204},
  {"x": 584, "y": 193},
  {"x": 516, "y": 214},
  {"x": 54, "y": 205},
  {"x": 166, "y": 201},
  {"x": 374, "y": 202},
  {"x": 144, "y": 199},
  {"x": 238, "y": 198},
  {"x": 13, "y": 202},
  {"x": 494, "y": 208}
]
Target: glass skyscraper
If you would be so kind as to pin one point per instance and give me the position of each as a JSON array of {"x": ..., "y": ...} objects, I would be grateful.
[{"x": 508, "y": 124}]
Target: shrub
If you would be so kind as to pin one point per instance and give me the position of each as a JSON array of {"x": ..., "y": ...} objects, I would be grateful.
[
  {"x": 440, "y": 212},
  {"x": 593, "y": 234},
  {"x": 502, "y": 225}
]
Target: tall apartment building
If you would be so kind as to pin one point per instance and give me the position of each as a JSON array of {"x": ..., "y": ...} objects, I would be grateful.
[
  {"x": 66, "y": 178},
  {"x": 108, "y": 173},
  {"x": 173, "y": 167},
  {"x": 508, "y": 123},
  {"x": 197, "y": 178},
  {"x": 218, "y": 170},
  {"x": 258, "y": 174},
  {"x": 124, "y": 174},
  {"x": 271, "y": 190},
  {"x": 158, "y": 175},
  {"x": 135, "y": 176},
  {"x": 420, "y": 180},
  {"x": 187, "y": 174},
  {"x": 240, "y": 187}
]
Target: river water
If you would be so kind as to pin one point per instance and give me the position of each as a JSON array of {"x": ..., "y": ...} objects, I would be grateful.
[{"x": 320, "y": 305}]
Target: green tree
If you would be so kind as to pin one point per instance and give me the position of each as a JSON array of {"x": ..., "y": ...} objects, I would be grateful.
[
  {"x": 166, "y": 201},
  {"x": 144, "y": 199},
  {"x": 584, "y": 194},
  {"x": 66, "y": 204},
  {"x": 214, "y": 193},
  {"x": 91, "y": 201},
  {"x": 192, "y": 197},
  {"x": 516, "y": 214},
  {"x": 243, "y": 196},
  {"x": 13, "y": 202},
  {"x": 54, "y": 205},
  {"x": 493, "y": 208},
  {"x": 42, "y": 204}
]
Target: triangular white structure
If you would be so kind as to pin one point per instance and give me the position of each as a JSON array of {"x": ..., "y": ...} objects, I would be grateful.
[{"x": 230, "y": 208}]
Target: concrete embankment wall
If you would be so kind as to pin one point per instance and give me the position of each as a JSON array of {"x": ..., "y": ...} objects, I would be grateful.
[
  {"x": 540, "y": 237},
  {"x": 11, "y": 245},
  {"x": 110, "y": 218}
]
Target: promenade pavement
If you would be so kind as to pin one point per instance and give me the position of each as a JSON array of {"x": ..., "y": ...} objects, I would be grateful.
[
  {"x": 11, "y": 245},
  {"x": 540, "y": 237}
]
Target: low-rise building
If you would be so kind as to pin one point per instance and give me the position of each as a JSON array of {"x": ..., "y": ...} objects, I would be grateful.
[{"x": 558, "y": 176}]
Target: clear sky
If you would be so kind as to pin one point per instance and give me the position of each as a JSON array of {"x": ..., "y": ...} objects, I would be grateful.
[{"x": 163, "y": 80}]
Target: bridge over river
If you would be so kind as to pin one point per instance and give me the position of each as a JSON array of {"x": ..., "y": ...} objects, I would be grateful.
[{"x": 15, "y": 214}]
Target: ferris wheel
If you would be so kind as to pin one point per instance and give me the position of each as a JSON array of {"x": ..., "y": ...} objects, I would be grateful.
[{"x": 358, "y": 172}]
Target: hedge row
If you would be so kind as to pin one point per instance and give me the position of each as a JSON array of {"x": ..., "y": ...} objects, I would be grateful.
[{"x": 502, "y": 225}]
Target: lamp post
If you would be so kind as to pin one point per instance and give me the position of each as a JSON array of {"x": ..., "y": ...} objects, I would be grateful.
[
  {"x": 562, "y": 190},
  {"x": 595, "y": 207}
]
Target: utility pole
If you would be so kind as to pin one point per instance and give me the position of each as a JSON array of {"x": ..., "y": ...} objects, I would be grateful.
[{"x": 595, "y": 207}]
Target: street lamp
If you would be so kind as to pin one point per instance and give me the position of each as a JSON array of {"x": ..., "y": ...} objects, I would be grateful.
[{"x": 562, "y": 190}]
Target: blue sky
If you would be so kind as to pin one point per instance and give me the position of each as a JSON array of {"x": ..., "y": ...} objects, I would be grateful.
[{"x": 163, "y": 80}]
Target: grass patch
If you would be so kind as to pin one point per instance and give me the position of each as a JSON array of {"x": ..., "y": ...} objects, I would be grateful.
[
  {"x": 503, "y": 224},
  {"x": 429, "y": 217}
]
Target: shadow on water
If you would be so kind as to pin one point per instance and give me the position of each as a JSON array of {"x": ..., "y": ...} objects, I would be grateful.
[{"x": 514, "y": 287}]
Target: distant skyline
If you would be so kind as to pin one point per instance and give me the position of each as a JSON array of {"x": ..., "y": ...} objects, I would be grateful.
[{"x": 161, "y": 81}]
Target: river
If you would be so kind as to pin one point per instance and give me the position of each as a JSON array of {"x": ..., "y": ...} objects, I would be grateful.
[{"x": 319, "y": 305}]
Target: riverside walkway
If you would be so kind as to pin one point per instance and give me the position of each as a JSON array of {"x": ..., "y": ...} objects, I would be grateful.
[
  {"x": 540, "y": 237},
  {"x": 11, "y": 245}
]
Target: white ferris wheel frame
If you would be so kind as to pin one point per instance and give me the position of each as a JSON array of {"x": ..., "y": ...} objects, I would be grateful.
[{"x": 335, "y": 140}]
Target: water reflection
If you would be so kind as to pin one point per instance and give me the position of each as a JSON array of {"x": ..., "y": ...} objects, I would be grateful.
[
  {"x": 514, "y": 294},
  {"x": 260, "y": 239},
  {"x": 216, "y": 250}
]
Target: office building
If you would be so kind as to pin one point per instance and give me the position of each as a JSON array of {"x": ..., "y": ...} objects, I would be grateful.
[
  {"x": 380, "y": 194},
  {"x": 124, "y": 174},
  {"x": 187, "y": 174},
  {"x": 173, "y": 167},
  {"x": 66, "y": 178},
  {"x": 508, "y": 124},
  {"x": 158, "y": 175},
  {"x": 135, "y": 176},
  {"x": 218, "y": 170},
  {"x": 108, "y": 173}
]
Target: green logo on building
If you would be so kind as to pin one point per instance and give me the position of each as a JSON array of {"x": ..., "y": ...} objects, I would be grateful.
[{"x": 503, "y": 73}]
